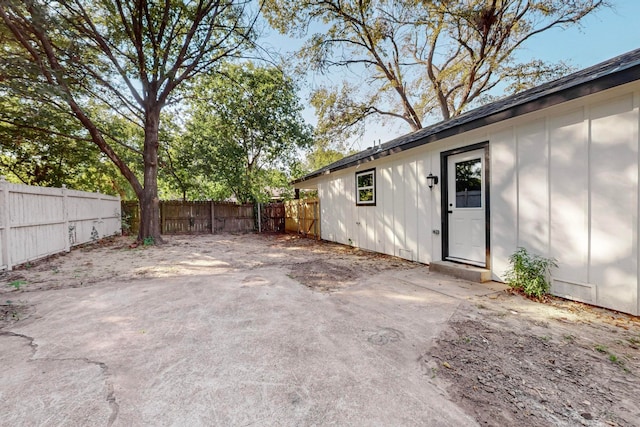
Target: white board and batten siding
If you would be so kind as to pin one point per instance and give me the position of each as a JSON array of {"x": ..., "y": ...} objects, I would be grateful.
[
  {"x": 36, "y": 222},
  {"x": 563, "y": 184}
]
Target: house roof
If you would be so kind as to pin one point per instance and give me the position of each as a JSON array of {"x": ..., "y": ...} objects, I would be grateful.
[{"x": 605, "y": 75}]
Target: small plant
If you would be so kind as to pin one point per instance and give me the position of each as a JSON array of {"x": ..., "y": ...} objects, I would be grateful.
[
  {"x": 601, "y": 348},
  {"x": 545, "y": 338},
  {"x": 17, "y": 283},
  {"x": 125, "y": 221},
  {"x": 529, "y": 273},
  {"x": 148, "y": 241},
  {"x": 634, "y": 340}
]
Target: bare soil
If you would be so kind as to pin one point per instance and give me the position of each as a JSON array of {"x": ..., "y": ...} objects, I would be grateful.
[
  {"x": 506, "y": 360},
  {"x": 318, "y": 265},
  {"x": 511, "y": 361}
]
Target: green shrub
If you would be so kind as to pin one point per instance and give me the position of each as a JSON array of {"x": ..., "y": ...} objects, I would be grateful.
[
  {"x": 17, "y": 283},
  {"x": 529, "y": 273}
]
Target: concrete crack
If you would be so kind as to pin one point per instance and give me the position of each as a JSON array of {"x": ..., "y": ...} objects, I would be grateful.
[
  {"x": 111, "y": 395},
  {"x": 32, "y": 344}
]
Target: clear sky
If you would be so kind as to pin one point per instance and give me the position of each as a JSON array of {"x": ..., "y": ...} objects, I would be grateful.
[{"x": 606, "y": 34}]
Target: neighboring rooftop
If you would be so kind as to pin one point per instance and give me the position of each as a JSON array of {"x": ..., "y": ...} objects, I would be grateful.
[{"x": 605, "y": 75}]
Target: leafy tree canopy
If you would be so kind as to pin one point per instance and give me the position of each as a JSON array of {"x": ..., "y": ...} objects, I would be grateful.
[
  {"x": 420, "y": 59},
  {"x": 103, "y": 61},
  {"x": 244, "y": 133}
]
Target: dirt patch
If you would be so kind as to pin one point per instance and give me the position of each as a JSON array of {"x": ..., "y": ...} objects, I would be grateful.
[
  {"x": 13, "y": 311},
  {"x": 337, "y": 267},
  {"x": 322, "y": 275},
  {"x": 540, "y": 365},
  {"x": 504, "y": 359},
  {"x": 320, "y": 265}
]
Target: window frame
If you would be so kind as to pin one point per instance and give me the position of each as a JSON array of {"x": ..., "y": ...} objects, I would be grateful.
[{"x": 372, "y": 187}]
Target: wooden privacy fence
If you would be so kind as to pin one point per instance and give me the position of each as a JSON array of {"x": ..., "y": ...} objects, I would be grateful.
[
  {"x": 302, "y": 216},
  {"x": 178, "y": 217},
  {"x": 36, "y": 222}
]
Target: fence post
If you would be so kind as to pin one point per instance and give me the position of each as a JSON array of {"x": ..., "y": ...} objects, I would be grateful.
[
  {"x": 163, "y": 221},
  {"x": 211, "y": 215},
  {"x": 65, "y": 217},
  {"x": 6, "y": 226},
  {"x": 100, "y": 219},
  {"x": 213, "y": 218},
  {"x": 259, "y": 219}
]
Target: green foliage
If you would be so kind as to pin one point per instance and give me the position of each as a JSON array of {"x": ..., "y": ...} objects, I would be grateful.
[
  {"x": 321, "y": 157},
  {"x": 125, "y": 221},
  {"x": 243, "y": 134},
  {"x": 114, "y": 67},
  {"x": 148, "y": 241},
  {"x": 529, "y": 273},
  {"x": 41, "y": 146},
  {"x": 17, "y": 283}
]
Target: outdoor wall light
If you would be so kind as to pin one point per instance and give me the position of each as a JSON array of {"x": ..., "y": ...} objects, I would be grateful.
[{"x": 432, "y": 180}]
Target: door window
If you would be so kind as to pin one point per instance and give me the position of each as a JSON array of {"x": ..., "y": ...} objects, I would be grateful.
[{"x": 469, "y": 184}]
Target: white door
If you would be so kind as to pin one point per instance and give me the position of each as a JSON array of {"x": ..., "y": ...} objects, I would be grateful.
[{"x": 466, "y": 207}]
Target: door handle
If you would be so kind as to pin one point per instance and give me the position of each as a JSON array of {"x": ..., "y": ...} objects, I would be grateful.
[{"x": 450, "y": 211}]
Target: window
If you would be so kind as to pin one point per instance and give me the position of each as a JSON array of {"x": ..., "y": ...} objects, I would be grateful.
[
  {"x": 469, "y": 184},
  {"x": 366, "y": 187}
]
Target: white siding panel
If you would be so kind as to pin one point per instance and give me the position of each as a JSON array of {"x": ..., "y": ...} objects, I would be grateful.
[
  {"x": 327, "y": 207},
  {"x": 423, "y": 226},
  {"x": 504, "y": 206},
  {"x": 349, "y": 182},
  {"x": 344, "y": 211},
  {"x": 533, "y": 196},
  {"x": 614, "y": 184},
  {"x": 386, "y": 182},
  {"x": 365, "y": 226},
  {"x": 411, "y": 210},
  {"x": 324, "y": 196},
  {"x": 398, "y": 208},
  {"x": 569, "y": 185}
]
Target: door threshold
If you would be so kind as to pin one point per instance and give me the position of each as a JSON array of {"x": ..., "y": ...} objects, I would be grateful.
[{"x": 466, "y": 261}]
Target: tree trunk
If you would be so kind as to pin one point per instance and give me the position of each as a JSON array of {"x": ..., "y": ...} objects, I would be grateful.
[{"x": 149, "y": 201}]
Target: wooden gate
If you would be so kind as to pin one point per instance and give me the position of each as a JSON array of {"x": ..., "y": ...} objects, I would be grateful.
[
  {"x": 272, "y": 217},
  {"x": 303, "y": 217}
]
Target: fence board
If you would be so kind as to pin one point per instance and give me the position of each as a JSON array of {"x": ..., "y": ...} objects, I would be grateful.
[
  {"x": 230, "y": 217},
  {"x": 184, "y": 217},
  {"x": 36, "y": 222},
  {"x": 273, "y": 217},
  {"x": 302, "y": 216}
]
